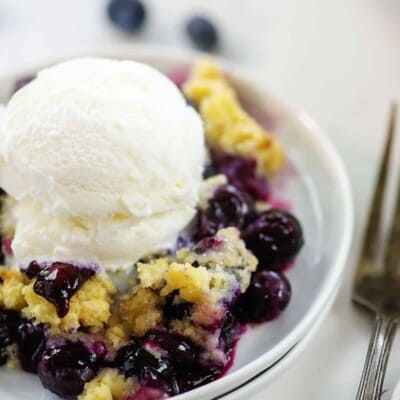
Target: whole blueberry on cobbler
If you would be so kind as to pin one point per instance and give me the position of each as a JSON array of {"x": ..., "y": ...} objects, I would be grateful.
[
  {"x": 275, "y": 237},
  {"x": 181, "y": 351},
  {"x": 267, "y": 296},
  {"x": 241, "y": 172},
  {"x": 230, "y": 331},
  {"x": 31, "y": 341},
  {"x": 151, "y": 371},
  {"x": 66, "y": 367},
  {"x": 9, "y": 321},
  {"x": 228, "y": 207},
  {"x": 176, "y": 309}
]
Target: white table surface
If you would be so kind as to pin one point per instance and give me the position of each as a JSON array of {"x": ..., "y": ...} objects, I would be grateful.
[{"x": 337, "y": 60}]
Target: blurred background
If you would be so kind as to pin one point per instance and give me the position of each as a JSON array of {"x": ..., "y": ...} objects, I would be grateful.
[{"x": 337, "y": 60}]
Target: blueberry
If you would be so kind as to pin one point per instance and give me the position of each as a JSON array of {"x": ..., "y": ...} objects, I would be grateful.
[
  {"x": 128, "y": 15},
  {"x": 33, "y": 269},
  {"x": 182, "y": 352},
  {"x": 228, "y": 207},
  {"x": 202, "y": 32},
  {"x": 230, "y": 331},
  {"x": 176, "y": 310},
  {"x": 267, "y": 296},
  {"x": 65, "y": 368},
  {"x": 58, "y": 282},
  {"x": 150, "y": 371},
  {"x": 9, "y": 321},
  {"x": 185, "y": 357},
  {"x": 275, "y": 237},
  {"x": 31, "y": 342},
  {"x": 241, "y": 172}
]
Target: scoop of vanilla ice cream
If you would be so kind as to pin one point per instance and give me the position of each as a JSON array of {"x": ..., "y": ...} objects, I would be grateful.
[{"x": 104, "y": 159}]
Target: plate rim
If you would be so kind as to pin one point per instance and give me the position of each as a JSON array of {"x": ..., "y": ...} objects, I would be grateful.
[{"x": 312, "y": 131}]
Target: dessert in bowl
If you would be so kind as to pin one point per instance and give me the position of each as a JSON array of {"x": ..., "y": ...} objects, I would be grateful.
[{"x": 143, "y": 246}]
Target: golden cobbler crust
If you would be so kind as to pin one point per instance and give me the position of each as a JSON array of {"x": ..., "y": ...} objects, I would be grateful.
[
  {"x": 227, "y": 126},
  {"x": 89, "y": 306},
  {"x": 12, "y": 284},
  {"x": 107, "y": 385},
  {"x": 141, "y": 310}
]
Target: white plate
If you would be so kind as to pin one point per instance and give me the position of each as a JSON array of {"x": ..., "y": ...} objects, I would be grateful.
[
  {"x": 262, "y": 379},
  {"x": 317, "y": 187}
]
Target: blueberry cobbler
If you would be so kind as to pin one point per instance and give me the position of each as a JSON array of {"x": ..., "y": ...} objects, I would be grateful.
[{"x": 138, "y": 234}]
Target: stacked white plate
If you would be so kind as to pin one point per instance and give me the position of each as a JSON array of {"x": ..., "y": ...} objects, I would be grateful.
[{"x": 316, "y": 187}]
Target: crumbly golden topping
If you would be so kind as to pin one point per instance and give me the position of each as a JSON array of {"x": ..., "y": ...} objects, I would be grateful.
[
  {"x": 230, "y": 256},
  {"x": 107, "y": 385},
  {"x": 89, "y": 306},
  {"x": 193, "y": 284},
  {"x": 141, "y": 310},
  {"x": 202, "y": 278},
  {"x": 115, "y": 333},
  {"x": 11, "y": 287},
  {"x": 228, "y": 127},
  {"x": 151, "y": 273}
]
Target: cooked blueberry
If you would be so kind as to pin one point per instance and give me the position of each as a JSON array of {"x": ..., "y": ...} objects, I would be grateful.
[
  {"x": 181, "y": 351},
  {"x": 59, "y": 281},
  {"x": 267, "y": 296},
  {"x": 33, "y": 269},
  {"x": 241, "y": 172},
  {"x": 9, "y": 321},
  {"x": 175, "y": 310},
  {"x": 202, "y": 32},
  {"x": 31, "y": 342},
  {"x": 228, "y": 207},
  {"x": 149, "y": 370},
  {"x": 275, "y": 237},
  {"x": 65, "y": 368},
  {"x": 128, "y": 15},
  {"x": 230, "y": 332},
  {"x": 98, "y": 348}
]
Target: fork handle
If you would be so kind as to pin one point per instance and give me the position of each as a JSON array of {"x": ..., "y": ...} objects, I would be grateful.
[{"x": 377, "y": 357}]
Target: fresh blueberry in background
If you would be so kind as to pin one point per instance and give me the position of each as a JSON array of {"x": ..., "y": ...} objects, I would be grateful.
[
  {"x": 128, "y": 15},
  {"x": 202, "y": 32}
]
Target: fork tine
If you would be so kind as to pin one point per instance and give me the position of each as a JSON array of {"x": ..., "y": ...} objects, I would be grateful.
[
  {"x": 392, "y": 251},
  {"x": 371, "y": 240}
]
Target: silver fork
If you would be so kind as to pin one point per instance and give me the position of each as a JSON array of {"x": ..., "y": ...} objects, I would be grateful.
[{"x": 377, "y": 284}]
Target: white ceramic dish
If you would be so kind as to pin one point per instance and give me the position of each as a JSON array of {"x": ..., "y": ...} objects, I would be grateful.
[
  {"x": 249, "y": 389},
  {"x": 317, "y": 187}
]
